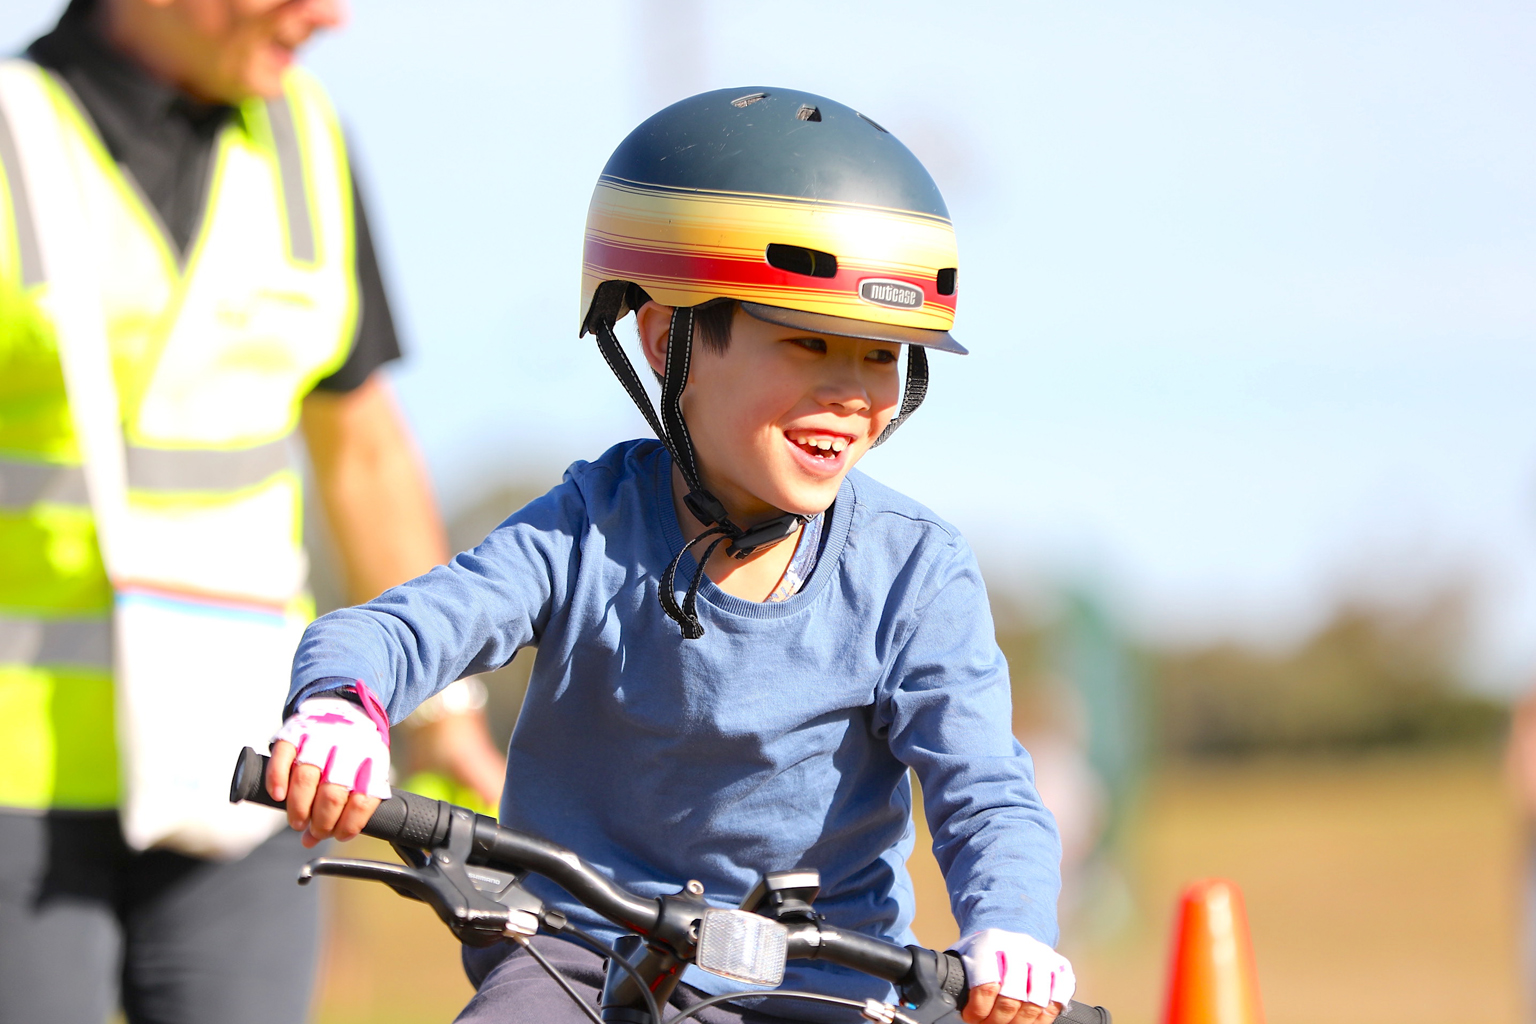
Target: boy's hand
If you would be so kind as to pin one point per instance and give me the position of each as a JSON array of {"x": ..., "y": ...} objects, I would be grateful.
[
  {"x": 331, "y": 763},
  {"x": 1014, "y": 979}
]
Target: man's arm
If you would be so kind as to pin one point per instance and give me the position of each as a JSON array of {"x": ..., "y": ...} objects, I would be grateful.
[{"x": 373, "y": 488}]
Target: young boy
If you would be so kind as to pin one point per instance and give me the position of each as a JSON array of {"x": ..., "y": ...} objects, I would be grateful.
[{"x": 831, "y": 634}]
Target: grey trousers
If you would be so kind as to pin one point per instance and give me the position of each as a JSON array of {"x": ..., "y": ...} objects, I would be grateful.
[
  {"x": 517, "y": 991},
  {"x": 87, "y": 924}
]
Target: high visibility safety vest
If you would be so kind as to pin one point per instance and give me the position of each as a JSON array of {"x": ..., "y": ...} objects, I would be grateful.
[{"x": 210, "y": 357}]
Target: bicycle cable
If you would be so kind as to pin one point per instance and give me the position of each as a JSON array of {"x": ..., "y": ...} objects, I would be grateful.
[
  {"x": 554, "y": 972},
  {"x": 612, "y": 956},
  {"x": 811, "y": 997}
]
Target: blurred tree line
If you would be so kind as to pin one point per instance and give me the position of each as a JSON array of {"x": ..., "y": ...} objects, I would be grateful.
[
  {"x": 1369, "y": 677},
  {"x": 1372, "y": 675}
]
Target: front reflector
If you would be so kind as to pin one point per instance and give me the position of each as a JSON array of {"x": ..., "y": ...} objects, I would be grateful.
[{"x": 743, "y": 947}]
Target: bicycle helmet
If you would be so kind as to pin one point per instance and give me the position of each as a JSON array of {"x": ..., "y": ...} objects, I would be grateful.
[{"x": 806, "y": 212}]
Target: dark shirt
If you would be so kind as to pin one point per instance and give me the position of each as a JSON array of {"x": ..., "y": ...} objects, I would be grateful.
[{"x": 163, "y": 141}]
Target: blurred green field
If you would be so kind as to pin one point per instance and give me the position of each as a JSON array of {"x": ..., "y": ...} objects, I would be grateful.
[
  {"x": 1385, "y": 889},
  {"x": 1380, "y": 889}
]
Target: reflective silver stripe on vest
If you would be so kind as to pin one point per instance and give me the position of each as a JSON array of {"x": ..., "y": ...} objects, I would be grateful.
[
  {"x": 290, "y": 163},
  {"x": 21, "y": 207},
  {"x": 83, "y": 643},
  {"x": 199, "y": 469},
  {"x": 23, "y": 484}
]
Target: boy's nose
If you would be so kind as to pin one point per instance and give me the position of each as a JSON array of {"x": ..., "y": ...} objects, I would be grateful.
[{"x": 846, "y": 394}]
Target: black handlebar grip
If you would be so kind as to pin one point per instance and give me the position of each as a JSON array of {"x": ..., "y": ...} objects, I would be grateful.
[
  {"x": 410, "y": 819},
  {"x": 1082, "y": 1013},
  {"x": 250, "y": 781},
  {"x": 404, "y": 818},
  {"x": 951, "y": 971}
]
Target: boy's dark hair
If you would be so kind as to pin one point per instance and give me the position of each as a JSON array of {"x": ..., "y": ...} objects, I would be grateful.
[
  {"x": 711, "y": 320},
  {"x": 712, "y": 323}
]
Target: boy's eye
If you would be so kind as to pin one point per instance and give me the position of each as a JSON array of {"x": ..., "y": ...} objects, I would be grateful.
[
  {"x": 813, "y": 344},
  {"x": 882, "y": 355}
]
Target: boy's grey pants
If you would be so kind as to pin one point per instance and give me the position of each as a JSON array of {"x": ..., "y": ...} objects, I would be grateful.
[
  {"x": 517, "y": 991},
  {"x": 86, "y": 922}
]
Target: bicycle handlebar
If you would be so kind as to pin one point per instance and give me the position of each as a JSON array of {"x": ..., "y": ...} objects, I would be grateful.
[{"x": 413, "y": 820}]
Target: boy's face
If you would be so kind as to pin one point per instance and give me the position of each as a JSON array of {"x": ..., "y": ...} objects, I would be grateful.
[{"x": 781, "y": 416}]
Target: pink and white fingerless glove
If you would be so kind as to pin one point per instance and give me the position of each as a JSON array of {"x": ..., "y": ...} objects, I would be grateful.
[
  {"x": 1027, "y": 968},
  {"x": 349, "y": 745}
]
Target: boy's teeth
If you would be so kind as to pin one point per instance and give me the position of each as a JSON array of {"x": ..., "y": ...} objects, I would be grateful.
[{"x": 832, "y": 445}]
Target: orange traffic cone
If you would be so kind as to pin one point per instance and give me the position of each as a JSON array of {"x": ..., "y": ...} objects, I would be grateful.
[{"x": 1213, "y": 980}]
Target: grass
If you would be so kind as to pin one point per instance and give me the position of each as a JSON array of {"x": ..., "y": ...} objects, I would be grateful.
[
  {"x": 1379, "y": 889},
  {"x": 1385, "y": 889}
]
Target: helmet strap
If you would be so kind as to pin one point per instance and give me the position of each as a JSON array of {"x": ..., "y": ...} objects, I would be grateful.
[
  {"x": 913, "y": 394},
  {"x": 672, "y": 430}
]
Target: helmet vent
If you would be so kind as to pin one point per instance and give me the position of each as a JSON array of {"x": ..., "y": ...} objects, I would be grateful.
[
  {"x": 799, "y": 260},
  {"x": 808, "y": 113},
  {"x": 945, "y": 282},
  {"x": 877, "y": 126},
  {"x": 749, "y": 99}
]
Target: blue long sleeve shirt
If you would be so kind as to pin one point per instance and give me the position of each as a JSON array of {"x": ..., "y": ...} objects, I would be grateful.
[{"x": 781, "y": 739}]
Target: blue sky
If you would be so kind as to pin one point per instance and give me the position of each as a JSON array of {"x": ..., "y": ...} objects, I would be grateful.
[{"x": 1250, "y": 288}]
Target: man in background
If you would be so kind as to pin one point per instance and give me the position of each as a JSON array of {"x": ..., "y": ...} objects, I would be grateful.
[
  {"x": 242, "y": 303},
  {"x": 1521, "y": 760}
]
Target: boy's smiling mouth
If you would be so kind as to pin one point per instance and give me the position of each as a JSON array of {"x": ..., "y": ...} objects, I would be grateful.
[{"x": 823, "y": 449}]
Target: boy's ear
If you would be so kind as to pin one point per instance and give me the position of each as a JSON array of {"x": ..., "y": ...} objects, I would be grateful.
[{"x": 654, "y": 322}]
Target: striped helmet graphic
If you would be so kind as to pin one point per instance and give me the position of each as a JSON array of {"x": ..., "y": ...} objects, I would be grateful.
[{"x": 808, "y": 212}]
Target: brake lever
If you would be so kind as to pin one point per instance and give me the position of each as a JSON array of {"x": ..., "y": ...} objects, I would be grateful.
[
  {"x": 440, "y": 878},
  {"x": 406, "y": 881}
]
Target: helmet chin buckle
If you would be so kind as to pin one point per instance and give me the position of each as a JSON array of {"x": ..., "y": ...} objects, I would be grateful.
[
  {"x": 766, "y": 534},
  {"x": 705, "y": 507},
  {"x": 711, "y": 511}
]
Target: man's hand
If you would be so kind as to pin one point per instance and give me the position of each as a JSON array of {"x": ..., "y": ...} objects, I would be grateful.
[
  {"x": 332, "y": 765},
  {"x": 1014, "y": 979}
]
